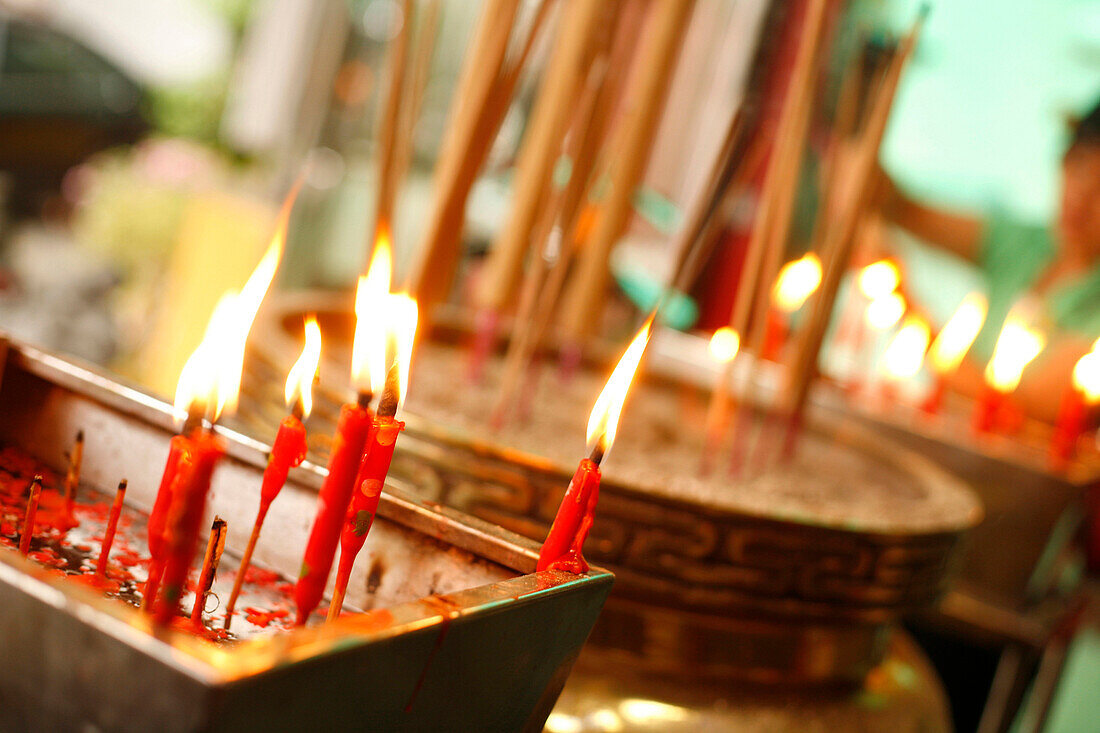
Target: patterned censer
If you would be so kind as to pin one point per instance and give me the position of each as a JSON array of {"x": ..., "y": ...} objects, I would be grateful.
[{"x": 793, "y": 577}]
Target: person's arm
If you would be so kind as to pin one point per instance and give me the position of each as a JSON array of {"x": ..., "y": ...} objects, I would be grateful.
[{"x": 955, "y": 232}]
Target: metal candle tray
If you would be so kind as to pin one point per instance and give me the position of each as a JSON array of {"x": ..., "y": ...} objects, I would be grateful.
[{"x": 462, "y": 633}]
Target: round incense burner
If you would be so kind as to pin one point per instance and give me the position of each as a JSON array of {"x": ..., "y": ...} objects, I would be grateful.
[{"x": 793, "y": 576}]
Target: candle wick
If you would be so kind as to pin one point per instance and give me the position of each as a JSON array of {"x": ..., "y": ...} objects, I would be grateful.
[
  {"x": 298, "y": 409},
  {"x": 364, "y": 398},
  {"x": 598, "y": 452}
]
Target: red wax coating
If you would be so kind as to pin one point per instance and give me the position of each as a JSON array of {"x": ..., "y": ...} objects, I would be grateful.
[
  {"x": 158, "y": 518},
  {"x": 287, "y": 452},
  {"x": 28, "y": 518},
  {"x": 109, "y": 534},
  {"x": 563, "y": 547},
  {"x": 194, "y": 469},
  {"x": 368, "y": 488},
  {"x": 1072, "y": 420},
  {"x": 332, "y": 504}
]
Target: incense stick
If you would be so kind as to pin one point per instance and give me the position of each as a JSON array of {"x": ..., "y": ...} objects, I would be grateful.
[
  {"x": 838, "y": 238},
  {"x": 29, "y": 517},
  {"x": 422, "y": 54},
  {"x": 109, "y": 533},
  {"x": 388, "y": 122},
  {"x": 643, "y": 105}
]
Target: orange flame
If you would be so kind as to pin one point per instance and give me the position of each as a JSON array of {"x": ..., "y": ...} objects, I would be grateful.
[
  {"x": 724, "y": 345},
  {"x": 1086, "y": 377},
  {"x": 797, "y": 281},
  {"x": 957, "y": 335},
  {"x": 878, "y": 279},
  {"x": 603, "y": 421},
  {"x": 883, "y": 312},
  {"x": 299, "y": 381},
  {"x": 368, "y": 373},
  {"x": 1016, "y": 347},
  {"x": 211, "y": 377},
  {"x": 401, "y": 315},
  {"x": 904, "y": 356}
]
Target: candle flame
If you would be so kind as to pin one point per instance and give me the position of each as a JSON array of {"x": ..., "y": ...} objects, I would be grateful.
[
  {"x": 1086, "y": 377},
  {"x": 1016, "y": 347},
  {"x": 368, "y": 368},
  {"x": 957, "y": 335},
  {"x": 904, "y": 356},
  {"x": 401, "y": 319},
  {"x": 883, "y": 312},
  {"x": 879, "y": 279},
  {"x": 797, "y": 281},
  {"x": 207, "y": 378},
  {"x": 211, "y": 377},
  {"x": 299, "y": 381},
  {"x": 724, "y": 345},
  {"x": 603, "y": 421}
]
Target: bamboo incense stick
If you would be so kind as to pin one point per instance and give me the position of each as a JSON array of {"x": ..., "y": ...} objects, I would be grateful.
[
  {"x": 644, "y": 101},
  {"x": 462, "y": 153},
  {"x": 838, "y": 238},
  {"x": 557, "y": 220},
  {"x": 419, "y": 72},
  {"x": 109, "y": 533},
  {"x": 388, "y": 122},
  {"x": 28, "y": 518},
  {"x": 541, "y": 149}
]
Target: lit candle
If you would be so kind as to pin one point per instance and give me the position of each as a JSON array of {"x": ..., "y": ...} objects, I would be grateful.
[
  {"x": 564, "y": 545},
  {"x": 904, "y": 355},
  {"x": 797, "y": 281},
  {"x": 723, "y": 347},
  {"x": 209, "y": 383},
  {"x": 368, "y": 376},
  {"x": 1017, "y": 345},
  {"x": 401, "y": 311},
  {"x": 952, "y": 343},
  {"x": 289, "y": 448},
  {"x": 1073, "y": 414}
]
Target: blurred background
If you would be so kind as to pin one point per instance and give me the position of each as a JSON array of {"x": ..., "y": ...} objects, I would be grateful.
[{"x": 146, "y": 144}]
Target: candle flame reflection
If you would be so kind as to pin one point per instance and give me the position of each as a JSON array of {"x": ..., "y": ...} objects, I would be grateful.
[
  {"x": 368, "y": 372},
  {"x": 603, "y": 421},
  {"x": 957, "y": 335},
  {"x": 1016, "y": 347},
  {"x": 299, "y": 381},
  {"x": 797, "y": 281}
]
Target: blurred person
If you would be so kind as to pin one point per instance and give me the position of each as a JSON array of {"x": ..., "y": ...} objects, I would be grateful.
[{"x": 1056, "y": 268}]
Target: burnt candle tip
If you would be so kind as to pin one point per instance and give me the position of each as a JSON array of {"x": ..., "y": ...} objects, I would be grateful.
[
  {"x": 80, "y": 436},
  {"x": 387, "y": 403}
]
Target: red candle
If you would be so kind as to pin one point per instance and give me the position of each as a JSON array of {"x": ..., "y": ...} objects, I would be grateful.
[
  {"x": 1017, "y": 346},
  {"x": 1073, "y": 416},
  {"x": 332, "y": 503},
  {"x": 158, "y": 519},
  {"x": 191, "y": 484},
  {"x": 951, "y": 345},
  {"x": 287, "y": 452},
  {"x": 109, "y": 533},
  {"x": 364, "y": 501},
  {"x": 564, "y": 545}
]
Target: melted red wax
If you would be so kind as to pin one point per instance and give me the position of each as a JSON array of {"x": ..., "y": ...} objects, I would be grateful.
[
  {"x": 448, "y": 609},
  {"x": 75, "y": 560},
  {"x": 262, "y": 618},
  {"x": 563, "y": 547}
]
